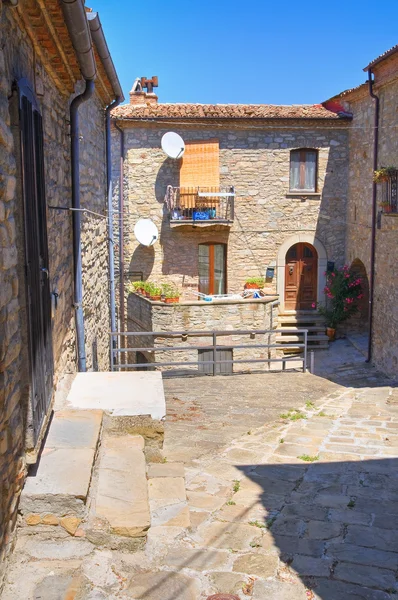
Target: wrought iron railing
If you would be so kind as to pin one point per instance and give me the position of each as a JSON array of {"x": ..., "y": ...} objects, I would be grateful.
[
  {"x": 263, "y": 340},
  {"x": 390, "y": 194},
  {"x": 201, "y": 204}
]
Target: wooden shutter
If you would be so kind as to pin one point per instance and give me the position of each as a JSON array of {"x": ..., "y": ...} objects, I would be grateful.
[{"x": 200, "y": 165}]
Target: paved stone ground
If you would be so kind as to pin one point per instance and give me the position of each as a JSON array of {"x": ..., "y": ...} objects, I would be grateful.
[{"x": 292, "y": 483}]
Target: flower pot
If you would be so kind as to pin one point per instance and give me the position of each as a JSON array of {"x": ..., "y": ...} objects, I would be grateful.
[
  {"x": 251, "y": 286},
  {"x": 331, "y": 333},
  {"x": 171, "y": 300},
  {"x": 155, "y": 298}
]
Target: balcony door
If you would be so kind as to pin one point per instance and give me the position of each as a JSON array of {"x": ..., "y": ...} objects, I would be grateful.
[{"x": 212, "y": 268}]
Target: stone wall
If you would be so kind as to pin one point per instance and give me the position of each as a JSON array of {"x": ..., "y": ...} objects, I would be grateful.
[
  {"x": 145, "y": 315},
  {"x": 18, "y": 60},
  {"x": 255, "y": 159},
  {"x": 385, "y": 315}
]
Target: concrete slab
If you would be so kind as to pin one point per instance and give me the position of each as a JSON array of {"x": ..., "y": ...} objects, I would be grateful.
[
  {"x": 74, "y": 429},
  {"x": 60, "y": 481},
  {"x": 122, "y": 492},
  {"x": 64, "y": 474},
  {"x": 121, "y": 394}
]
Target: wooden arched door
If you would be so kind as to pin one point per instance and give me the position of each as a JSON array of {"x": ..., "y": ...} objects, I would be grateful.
[{"x": 301, "y": 276}]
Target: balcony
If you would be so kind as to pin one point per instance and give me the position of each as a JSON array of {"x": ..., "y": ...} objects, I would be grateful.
[
  {"x": 201, "y": 207},
  {"x": 389, "y": 202}
]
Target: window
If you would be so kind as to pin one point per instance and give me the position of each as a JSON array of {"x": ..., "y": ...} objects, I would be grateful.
[
  {"x": 200, "y": 168},
  {"x": 212, "y": 268},
  {"x": 303, "y": 170}
]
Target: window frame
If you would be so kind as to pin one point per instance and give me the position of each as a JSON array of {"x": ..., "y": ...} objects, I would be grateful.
[
  {"x": 302, "y": 162},
  {"x": 211, "y": 266}
]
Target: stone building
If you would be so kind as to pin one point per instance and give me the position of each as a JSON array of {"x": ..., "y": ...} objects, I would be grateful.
[
  {"x": 50, "y": 52},
  {"x": 260, "y": 190},
  {"x": 372, "y": 207}
]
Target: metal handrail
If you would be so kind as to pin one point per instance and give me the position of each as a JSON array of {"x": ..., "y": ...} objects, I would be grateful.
[{"x": 214, "y": 346}]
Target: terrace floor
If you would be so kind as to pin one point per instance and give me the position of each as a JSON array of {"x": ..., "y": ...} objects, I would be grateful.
[{"x": 291, "y": 481}]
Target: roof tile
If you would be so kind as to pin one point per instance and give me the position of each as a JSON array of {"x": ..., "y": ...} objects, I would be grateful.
[{"x": 221, "y": 111}]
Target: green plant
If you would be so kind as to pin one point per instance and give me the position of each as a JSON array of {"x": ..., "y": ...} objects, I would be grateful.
[
  {"x": 308, "y": 458},
  {"x": 351, "y": 503},
  {"x": 343, "y": 291},
  {"x": 170, "y": 291},
  {"x": 281, "y": 441},
  {"x": 156, "y": 290},
  {"x": 236, "y": 487},
  {"x": 293, "y": 415},
  {"x": 254, "y": 545},
  {"x": 309, "y": 404},
  {"x": 231, "y": 503},
  {"x": 255, "y": 281},
  {"x": 258, "y": 524},
  {"x": 270, "y": 521},
  {"x": 383, "y": 174},
  {"x": 135, "y": 285}
]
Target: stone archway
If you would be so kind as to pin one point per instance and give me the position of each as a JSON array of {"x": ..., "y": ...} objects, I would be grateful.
[
  {"x": 306, "y": 238},
  {"x": 359, "y": 322}
]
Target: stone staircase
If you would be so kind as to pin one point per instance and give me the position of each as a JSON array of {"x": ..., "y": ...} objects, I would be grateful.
[
  {"x": 292, "y": 321},
  {"x": 96, "y": 480}
]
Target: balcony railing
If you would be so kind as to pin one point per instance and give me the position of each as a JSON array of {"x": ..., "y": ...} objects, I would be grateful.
[
  {"x": 205, "y": 205},
  {"x": 390, "y": 194}
]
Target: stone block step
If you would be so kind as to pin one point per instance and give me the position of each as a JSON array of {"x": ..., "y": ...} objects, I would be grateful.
[
  {"x": 167, "y": 495},
  {"x": 310, "y": 328},
  {"x": 297, "y": 349},
  {"x": 299, "y": 338},
  {"x": 300, "y": 319},
  {"x": 120, "y": 504},
  {"x": 59, "y": 483}
]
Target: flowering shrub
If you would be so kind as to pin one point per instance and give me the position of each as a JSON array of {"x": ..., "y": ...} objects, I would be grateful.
[{"x": 343, "y": 291}]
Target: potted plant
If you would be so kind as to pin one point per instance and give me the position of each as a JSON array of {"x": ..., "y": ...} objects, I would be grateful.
[
  {"x": 383, "y": 174},
  {"x": 254, "y": 283},
  {"x": 170, "y": 293},
  {"x": 343, "y": 291},
  {"x": 155, "y": 293},
  {"x": 146, "y": 287},
  {"x": 386, "y": 207},
  {"x": 136, "y": 287}
]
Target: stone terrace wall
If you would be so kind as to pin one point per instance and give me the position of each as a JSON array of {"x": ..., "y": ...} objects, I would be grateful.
[
  {"x": 17, "y": 60},
  {"x": 144, "y": 315},
  {"x": 256, "y": 162}
]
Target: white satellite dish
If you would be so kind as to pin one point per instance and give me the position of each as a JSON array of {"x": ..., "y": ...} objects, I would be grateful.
[
  {"x": 173, "y": 145},
  {"x": 146, "y": 232}
]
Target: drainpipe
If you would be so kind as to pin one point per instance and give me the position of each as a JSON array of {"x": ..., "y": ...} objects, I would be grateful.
[
  {"x": 121, "y": 230},
  {"x": 374, "y": 212},
  {"x": 111, "y": 241},
  {"x": 76, "y": 223}
]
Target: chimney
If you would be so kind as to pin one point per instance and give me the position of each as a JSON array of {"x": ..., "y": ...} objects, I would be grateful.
[{"x": 138, "y": 96}]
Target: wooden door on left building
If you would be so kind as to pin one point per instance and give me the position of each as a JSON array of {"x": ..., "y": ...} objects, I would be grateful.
[{"x": 38, "y": 296}]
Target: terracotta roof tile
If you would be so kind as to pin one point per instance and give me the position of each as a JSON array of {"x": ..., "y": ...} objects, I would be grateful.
[
  {"x": 385, "y": 54},
  {"x": 221, "y": 111}
]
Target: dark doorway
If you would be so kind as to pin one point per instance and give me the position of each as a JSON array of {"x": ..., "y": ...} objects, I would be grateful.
[
  {"x": 36, "y": 257},
  {"x": 301, "y": 277}
]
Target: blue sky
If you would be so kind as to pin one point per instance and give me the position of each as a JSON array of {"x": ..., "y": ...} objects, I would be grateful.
[{"x": 247, "y": 51}]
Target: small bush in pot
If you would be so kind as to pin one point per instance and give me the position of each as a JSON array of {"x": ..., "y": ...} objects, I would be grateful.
[
  {"x": 343, "y": 291},
  {"x": 170, "y": 293},
  {"x": 155, "y": 292},
  {"x": 254, "y": 283}
]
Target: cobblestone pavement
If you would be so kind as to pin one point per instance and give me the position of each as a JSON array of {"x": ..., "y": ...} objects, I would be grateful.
[{"x": 292, "y": 483}]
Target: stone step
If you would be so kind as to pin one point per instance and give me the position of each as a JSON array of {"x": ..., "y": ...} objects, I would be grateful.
[
  {"x": 119, "y": 514},
  {"x": 301, "y": 319},
  {"x": 299, "y": 338},
  {"x": 298, "y": 349},
  {"x": 57, "y": 486},
  {"x": 167, "y": 495},
  {"x": 310, "y": 328}
]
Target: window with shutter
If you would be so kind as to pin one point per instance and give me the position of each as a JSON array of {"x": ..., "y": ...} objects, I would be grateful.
[{"x": 200, "y": 168}]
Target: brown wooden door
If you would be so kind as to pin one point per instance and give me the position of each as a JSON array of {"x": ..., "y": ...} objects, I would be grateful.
[{"x": 301, "y": 273}]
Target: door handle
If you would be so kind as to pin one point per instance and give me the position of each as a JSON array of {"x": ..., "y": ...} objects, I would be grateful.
[{"x": 43, "y": 270}]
